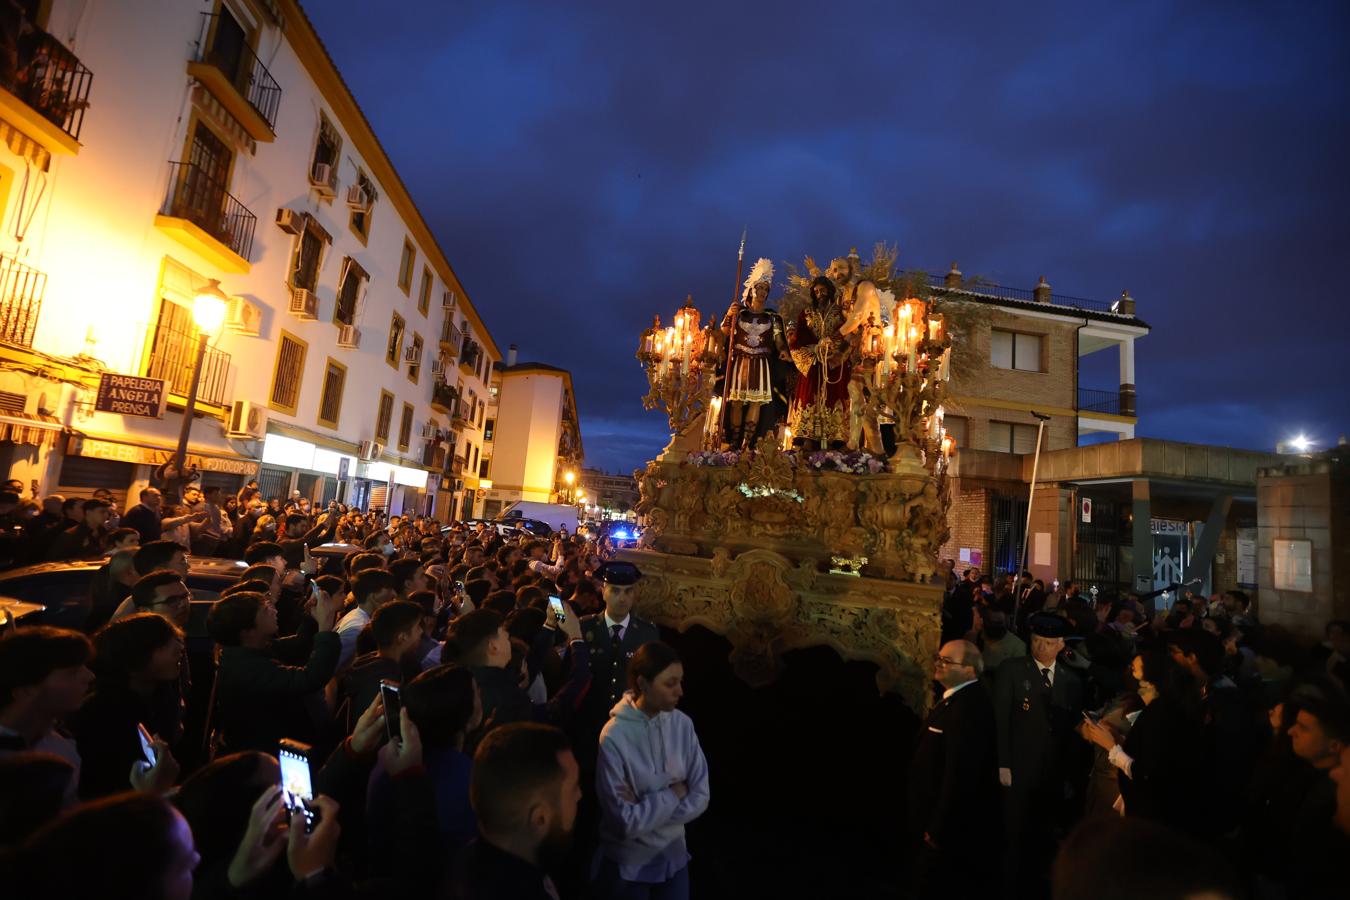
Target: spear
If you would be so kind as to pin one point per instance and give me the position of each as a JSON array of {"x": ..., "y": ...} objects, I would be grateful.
[{"x": 726, "y": 373}]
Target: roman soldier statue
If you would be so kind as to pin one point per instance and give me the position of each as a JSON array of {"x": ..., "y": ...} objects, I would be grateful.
[{"x": 756, "y": 339}]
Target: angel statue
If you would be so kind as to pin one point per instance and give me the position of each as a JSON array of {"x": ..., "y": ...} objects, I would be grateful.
[
  {"x": 757, "y": 340},
  {"x": 864, "y": 304}
]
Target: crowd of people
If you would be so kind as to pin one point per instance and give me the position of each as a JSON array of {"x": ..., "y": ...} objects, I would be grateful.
[
  {"x": 481, "y": 715},
  {"x": 474, "y": 715},
  {"x": 1072, "y": 729}
]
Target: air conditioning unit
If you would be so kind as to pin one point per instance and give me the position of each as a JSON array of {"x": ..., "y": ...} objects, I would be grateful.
[
  {"x": 324, "y": 179},
  {"x": 349, "y": 337},
  {"x": 413, "y": 354},
  {"x": 370, "y": 450},
  {"x": 429, "y": 431},
  {"x": 437, "y": 366},
  {"x": 357, "y": 197},
  {"x": 290, "y": 221},
  {"x": 243, "y": 317},
  {"x": 448, "y": 301},
  {"x": 247, "y": 420},
  {"x": 304, "y": 304}
]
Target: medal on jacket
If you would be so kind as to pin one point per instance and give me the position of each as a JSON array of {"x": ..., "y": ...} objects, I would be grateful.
[{"x": 1026, "y": 696}]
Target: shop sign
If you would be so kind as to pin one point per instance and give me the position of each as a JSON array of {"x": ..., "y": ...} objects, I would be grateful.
[
  {"x": 150, "y": 456},
  {"x": 1087, "y": 509},
  {"x": 344, "y": 468},
  {"x": 129, "y": 395}
]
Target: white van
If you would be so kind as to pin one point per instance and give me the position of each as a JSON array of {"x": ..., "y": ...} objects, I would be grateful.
[{"x": 554, "y": 515}]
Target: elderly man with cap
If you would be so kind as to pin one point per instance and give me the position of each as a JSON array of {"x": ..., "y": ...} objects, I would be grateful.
[{"x": 1038, "y": 701}]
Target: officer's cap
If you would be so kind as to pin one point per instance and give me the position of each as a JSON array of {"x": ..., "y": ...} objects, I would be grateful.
[
  {"x": 1049, "y": 625},
  {"x": 618, "y": 573}
]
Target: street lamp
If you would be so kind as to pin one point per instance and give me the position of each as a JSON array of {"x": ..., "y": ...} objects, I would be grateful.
[{"x": 208, "y": 313}]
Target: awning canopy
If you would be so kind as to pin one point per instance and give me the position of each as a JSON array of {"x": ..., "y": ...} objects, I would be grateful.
[{"x": 29, "y": 428}]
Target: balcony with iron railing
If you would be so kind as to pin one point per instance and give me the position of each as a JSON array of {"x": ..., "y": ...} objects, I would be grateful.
[
  {"x": 1111, "y": 403},
  {"x": 21, "y": 291},
  {"x": 172, "y": 356},
  {"x": 45, "y": 86},
  {"x": 232, "y": 72},
  {"x": 200, "y": 213},
  {"x": 450, "y": 339}
]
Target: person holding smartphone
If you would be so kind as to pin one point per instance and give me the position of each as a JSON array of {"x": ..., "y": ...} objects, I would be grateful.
[{"x": 258, "y": 699}]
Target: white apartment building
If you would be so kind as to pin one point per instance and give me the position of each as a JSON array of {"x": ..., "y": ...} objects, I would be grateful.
[
  {"x": 533, "y": 438},
  {"x": 152, "y": 146}
]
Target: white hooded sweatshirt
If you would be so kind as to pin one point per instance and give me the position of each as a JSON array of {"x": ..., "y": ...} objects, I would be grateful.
[{"x": 642, "y": 820}]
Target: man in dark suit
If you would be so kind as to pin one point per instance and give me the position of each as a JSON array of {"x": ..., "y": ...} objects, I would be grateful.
[
  {"x": 613, "y": 636},
  {"x": 953, "y": 782},
  {"x": 1038, "y": 701}
]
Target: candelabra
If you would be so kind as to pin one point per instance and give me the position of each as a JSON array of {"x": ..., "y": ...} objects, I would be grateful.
[
  {"x": 681, "y": 365},
  {"x": 907, "y": 363}
]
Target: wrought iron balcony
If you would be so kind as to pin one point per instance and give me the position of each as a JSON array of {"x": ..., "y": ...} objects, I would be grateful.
[
  {"x": 450, "y": 338},
  {"x": 1091, "y": 401},
  {"x": 227, "y": 66},
  {"x": 198, "y": 198},
  {"x": 172, "y": 356},
  {"x": 21, "y": 290},
  {"x": 43, "y": 73}
]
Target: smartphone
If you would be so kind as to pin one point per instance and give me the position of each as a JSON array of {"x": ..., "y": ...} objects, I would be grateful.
[
  {"x": 556, "y": 604},
  {"x": 313, "y": 588},
  {"x": 392, "y": 705},
  {"x": 297, "y": 791},
  {"x": 147, "y": 744}
]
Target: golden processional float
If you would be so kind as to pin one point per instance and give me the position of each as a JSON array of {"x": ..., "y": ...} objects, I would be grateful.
[{"x": 780, "y": 547}]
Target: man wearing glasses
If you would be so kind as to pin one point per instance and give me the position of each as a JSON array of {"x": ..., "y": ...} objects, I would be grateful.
[{"x": 953, "y": 782}]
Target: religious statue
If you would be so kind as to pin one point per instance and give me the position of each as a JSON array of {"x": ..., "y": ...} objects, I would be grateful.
[
  {"x": 821, "y": 354},
  {"x": 756, "y": 340},
  {"x": 865, "y": 306}
]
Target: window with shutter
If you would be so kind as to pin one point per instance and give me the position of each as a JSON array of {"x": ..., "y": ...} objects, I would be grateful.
[
  {"x": 405, "y": 427},
  {"x": 405, "y": 266},
  {"x": 330, "y": 404},
  {"x": 286, "y": 375},
  {"x": 385, "y": 417},
  {"x": 424, "y": 294},
  {"x": 1000, "y": 437},
  {"x": 1027, "y": 352},
  {"x": 1024, "y": 439},
  {"x": 1001, "y": 350},
  {"x": 393, "y": 355},
  {"x": 350, "y": 280},
  {"x": 1013, "y": 350}
]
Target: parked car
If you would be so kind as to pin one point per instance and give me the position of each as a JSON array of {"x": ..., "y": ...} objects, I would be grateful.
[{"x": 63, "y": 588}]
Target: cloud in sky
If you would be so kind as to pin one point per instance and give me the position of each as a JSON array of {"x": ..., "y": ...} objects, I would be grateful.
[{"x": 587, "y": 167}]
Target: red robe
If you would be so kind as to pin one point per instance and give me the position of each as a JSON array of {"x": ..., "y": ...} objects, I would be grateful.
[{"x": 815, "y": 416}]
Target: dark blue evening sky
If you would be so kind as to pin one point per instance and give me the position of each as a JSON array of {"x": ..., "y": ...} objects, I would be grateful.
[{"x": 586, "y": 165}]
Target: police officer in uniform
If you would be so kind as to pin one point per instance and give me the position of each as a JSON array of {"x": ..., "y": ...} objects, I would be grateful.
[
  {"x": 613, "y": 637},
  {"x": 1038, "y": 701}
]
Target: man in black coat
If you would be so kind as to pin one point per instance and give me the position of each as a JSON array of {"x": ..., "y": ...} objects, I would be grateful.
[
  {"x": 954, "y": 814},
  {"x": 613, "y": 636},
  {"x": 1038, "y": 701}
]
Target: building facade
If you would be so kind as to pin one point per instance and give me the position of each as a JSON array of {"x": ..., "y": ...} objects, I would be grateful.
[
  {"x": 534, "y": 440},
  {"x": 609, "y": 496},
  {"x": 154, "y": 148}
]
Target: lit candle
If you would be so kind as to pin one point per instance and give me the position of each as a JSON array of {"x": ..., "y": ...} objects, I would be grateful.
[{"x": 787, "y": 438}]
